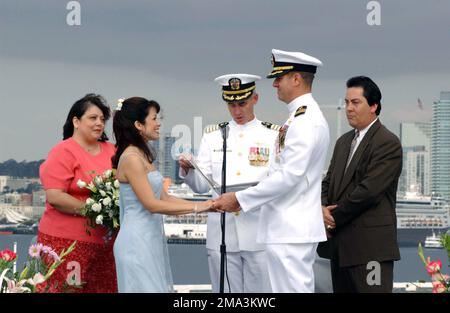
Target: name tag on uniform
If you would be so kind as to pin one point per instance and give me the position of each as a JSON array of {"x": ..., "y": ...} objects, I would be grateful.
[
  {"x": 258, "y": 156},
  {"x": 221, "y": 150}
]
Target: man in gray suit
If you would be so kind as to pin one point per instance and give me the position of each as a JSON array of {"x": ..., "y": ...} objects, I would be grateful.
[{"x": 359, "y": 195}]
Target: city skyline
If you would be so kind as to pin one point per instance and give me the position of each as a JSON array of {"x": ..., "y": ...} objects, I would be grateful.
[{"x": 171, "y": 52}]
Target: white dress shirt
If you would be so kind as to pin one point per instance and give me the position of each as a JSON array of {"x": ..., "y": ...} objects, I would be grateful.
[{"x": 362, "y": 133}]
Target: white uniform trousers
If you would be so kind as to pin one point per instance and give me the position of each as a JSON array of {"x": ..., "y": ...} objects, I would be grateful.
[
  {"x": 247, "y": 271},
  {"x": 291, "y": 266}
]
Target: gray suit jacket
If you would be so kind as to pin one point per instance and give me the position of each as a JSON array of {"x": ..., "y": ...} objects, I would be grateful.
[{"x": 366, "y": 224}]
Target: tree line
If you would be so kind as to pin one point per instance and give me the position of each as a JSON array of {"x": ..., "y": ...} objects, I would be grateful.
[{"x": 22, "y": 169}]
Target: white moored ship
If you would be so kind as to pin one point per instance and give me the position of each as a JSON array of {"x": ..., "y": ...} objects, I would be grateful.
[
  {"x": 189, "y": 228},
  {"x": 433, "y": 241},
  {"x": 421, "y": 216}
]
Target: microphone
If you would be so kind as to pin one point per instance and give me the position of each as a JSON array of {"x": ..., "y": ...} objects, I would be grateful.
[{"x": 225, "y": 129}]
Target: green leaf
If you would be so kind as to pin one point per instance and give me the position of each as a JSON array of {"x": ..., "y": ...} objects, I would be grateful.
[
  {"x": 24, "y": 273},
  {"x": 420, "y": 252}
]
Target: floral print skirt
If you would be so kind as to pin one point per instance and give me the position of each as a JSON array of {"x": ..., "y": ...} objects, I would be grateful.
[{"x": 89, "y": 268}]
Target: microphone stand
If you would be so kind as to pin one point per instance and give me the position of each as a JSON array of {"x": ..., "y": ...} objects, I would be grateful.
[{"x": 223, "y": 248}]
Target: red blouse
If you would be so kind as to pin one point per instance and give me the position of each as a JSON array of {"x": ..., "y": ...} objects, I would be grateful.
[{"x": 66, "y": 163}]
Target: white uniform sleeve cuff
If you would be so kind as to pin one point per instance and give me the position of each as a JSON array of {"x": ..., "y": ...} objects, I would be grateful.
[{"x": 239, "y": 198}]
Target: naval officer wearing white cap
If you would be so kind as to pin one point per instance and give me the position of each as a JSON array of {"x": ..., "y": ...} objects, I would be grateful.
[
  {"x": 291, "y": 223},
  {"x": 250, "y": 146}
]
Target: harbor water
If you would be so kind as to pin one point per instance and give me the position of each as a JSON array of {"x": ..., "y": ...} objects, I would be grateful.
[{"x": 190, "y": 266}]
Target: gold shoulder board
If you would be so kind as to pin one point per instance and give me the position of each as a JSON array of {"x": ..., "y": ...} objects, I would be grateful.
[
  {"x": 211, "y": 128},
  {"x": 301, "y": 110},
  {"x": 271, "y": 126}
]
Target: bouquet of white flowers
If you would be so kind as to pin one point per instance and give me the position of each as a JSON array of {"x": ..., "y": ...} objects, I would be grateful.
[{"x": 102, "y": 207}]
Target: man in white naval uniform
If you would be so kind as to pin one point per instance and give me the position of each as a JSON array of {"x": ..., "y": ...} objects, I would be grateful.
[
  {"x": 250, "y": 146},
  {"x": 291, "y": 222}
]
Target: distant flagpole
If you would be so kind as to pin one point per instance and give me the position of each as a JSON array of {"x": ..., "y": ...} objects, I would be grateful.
[{"x": 419, "y": 104}]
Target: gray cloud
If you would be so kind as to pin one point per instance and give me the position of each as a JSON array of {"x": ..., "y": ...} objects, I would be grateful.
[{"x": 171, "y": 51}]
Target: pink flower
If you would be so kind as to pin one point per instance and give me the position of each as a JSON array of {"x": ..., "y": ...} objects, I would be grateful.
[
  {"x": 439, "y": 277},
  {"x": 8, "y": 255},
  {"x": 433, "y": 266},
  {"x": 54, "y": 255},
  {"x": 46, "y": 249},
  {"x": 35, "y": 250},
  {"x": 438, "y": 287}
]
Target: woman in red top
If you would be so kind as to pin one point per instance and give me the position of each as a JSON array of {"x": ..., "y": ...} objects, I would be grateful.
[{"x": 83, "y": 152}]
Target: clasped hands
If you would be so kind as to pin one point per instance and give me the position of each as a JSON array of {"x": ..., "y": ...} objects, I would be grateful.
[
  {"x": 328, "y": 219},
  {"x": 225, "y": 203}
]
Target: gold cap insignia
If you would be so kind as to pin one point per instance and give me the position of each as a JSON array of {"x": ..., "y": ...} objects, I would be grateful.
[{"x": 235, "y": 83}]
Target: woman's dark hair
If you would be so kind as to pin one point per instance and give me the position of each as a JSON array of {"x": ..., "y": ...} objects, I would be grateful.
[
  {"x": 126, "y": 134},
  {"x": 80, "y": 107},
  {"x": 371, "y": 91}
]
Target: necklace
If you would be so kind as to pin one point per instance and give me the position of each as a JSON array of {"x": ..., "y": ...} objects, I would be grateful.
[{"x": 90, "y": 149}]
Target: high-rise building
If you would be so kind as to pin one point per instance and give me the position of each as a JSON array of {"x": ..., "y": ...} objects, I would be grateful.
[
  {"x": 417, "y": 169},
  {"x": 3, "y": 182},
  {"x": 154, "y": 148},
  {"x": 440, "y": 146},
  {"x": 166, "y": 161},
  {"x": 169, "y": 160},
  {"x": 416, "y": 142}
]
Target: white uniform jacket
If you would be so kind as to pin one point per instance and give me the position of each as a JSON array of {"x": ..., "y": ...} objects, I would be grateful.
[
  {"x": 289, "y": 199},
  {"x": 249, "y": 150}
]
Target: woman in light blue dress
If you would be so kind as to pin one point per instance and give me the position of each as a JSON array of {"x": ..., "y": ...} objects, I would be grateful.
[{"x": 140, "y": 250}]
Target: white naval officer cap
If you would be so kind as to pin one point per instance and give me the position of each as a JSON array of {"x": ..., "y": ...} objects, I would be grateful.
[
  {"x": 237, "y": 87},
  {"x": 286, "y": 61}
]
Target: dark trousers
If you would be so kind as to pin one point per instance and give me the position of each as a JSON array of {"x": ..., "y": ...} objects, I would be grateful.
[{"x": 359, "y": 279}]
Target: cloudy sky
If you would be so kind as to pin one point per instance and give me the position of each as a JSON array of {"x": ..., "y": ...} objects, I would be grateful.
[{"x": 172, "y": 50}]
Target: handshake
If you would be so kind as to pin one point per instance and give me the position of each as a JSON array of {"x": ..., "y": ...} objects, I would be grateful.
[{"x": 225, "y": 203}]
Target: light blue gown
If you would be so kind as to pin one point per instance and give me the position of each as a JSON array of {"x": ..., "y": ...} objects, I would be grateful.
[{"x": 140, "y": 250}]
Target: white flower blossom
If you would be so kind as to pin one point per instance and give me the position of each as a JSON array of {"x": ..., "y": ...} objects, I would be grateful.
[
  {"x": 90, "y": 201},
  {"x": 108, "y": 186},
  {"x": 16, "y": 287},
  {"x": 107, "y": 201},
  {"x": 102, "y": 193},
  {"x": 99, "y": 220},
  {"x": 92, "y": 187},
  {"x": 108, "y": 173},
  {"x": 119, "y": 104},
  {"x": 98, "y": 180},
  {"x": 116, "y": 183},
  {"x": 81, "y": 184},
  {"x": 96, "y": 207},
  {"x": 37, "y": 279},
  {"x": 116, "y": 202}
]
